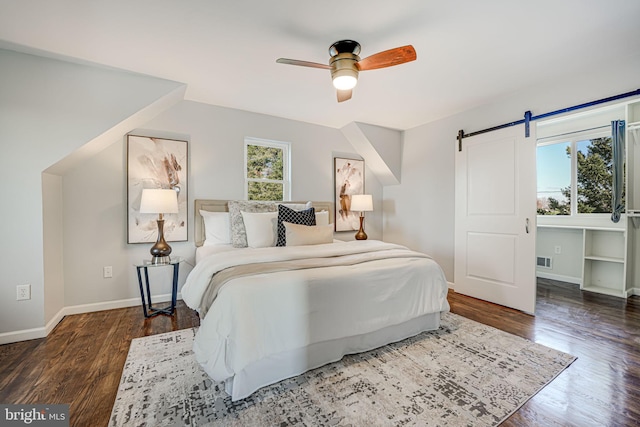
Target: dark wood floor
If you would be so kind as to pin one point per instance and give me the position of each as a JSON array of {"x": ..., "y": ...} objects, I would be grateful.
[
  {"x": 602, "y": 387},
  {"x": 81, "y": 361}
]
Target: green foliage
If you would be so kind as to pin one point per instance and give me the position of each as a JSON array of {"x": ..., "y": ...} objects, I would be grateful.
[
  {"x": 265, "y": 163},
  {"x": 595, "y": 177},
  {"x": 594, "y": 181},
  {"x": 265, "y": 191},
  {"x": 555, "y": 207}
]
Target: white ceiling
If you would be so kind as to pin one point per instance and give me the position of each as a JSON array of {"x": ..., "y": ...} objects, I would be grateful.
[{"x": 470, "y": 52}]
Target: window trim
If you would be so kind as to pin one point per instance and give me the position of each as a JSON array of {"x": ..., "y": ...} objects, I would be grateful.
[{"x": 286, "y": 162}]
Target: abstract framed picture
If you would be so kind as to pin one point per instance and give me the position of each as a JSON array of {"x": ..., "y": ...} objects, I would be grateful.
[
  {"x": 348, "y": 180},
  {"x": 156, "y": 163}
]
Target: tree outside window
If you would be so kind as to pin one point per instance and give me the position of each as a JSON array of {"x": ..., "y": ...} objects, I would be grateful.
[
  {"x": 267, "y": 170},
  {"x": 593, "y": 178}
]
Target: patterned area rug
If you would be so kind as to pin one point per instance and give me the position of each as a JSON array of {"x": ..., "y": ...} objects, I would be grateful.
[{"x": 463, "y": 374}]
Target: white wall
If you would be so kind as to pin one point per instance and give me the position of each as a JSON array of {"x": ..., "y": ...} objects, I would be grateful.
[
  {"x": 52, "y": 214},
  {"x": 566, "y": 265},
  {"x": 381, "y": 147},
  {"x": 48, "y": 109},
  {"x": 420, "y": 212},
  {"x": 95, "y": 191}
]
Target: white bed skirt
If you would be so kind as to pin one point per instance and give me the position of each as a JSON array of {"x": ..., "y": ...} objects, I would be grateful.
[{"x": 289, "y": 364}]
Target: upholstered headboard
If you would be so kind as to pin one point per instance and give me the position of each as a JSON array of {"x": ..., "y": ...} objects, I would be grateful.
[{"x": 222, "y": 206}]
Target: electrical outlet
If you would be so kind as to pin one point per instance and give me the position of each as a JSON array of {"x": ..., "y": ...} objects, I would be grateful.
[
  {"x": 557, "y": 249},
  {"x": 23, "y": 292},
  {"x": 107, "y": 272}
]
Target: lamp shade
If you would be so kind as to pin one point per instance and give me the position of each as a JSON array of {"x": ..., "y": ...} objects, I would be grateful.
[
  {"x": 361, "y": 203},
  {"x": 159, "y": 201}
]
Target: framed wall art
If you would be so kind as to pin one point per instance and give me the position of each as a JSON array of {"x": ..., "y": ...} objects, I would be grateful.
[
  {"x": 348, "y": 180},
  {"x": 156, "y": 163}
]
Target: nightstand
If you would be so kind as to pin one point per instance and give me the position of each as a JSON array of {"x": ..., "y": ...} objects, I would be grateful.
[{"x": 147, "y": 306}]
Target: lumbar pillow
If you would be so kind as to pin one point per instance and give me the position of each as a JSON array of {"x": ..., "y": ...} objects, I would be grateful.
[
  {"x": 216, "y": 228},
  {"x": 260, "y": 228},
  {"x": 285, "y": 214},
  {"x": 298, "y": 235}
]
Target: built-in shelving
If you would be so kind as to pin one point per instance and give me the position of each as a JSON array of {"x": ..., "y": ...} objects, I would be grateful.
[
  {"x": 611, "y": 252},
  {"x": 633, "y": 157},
  {"x": 633, "y": 196},
  {"x": 603, "y": 258},
  {"x": 604, "y": 261},
  {"x": 634, "y": 216}
]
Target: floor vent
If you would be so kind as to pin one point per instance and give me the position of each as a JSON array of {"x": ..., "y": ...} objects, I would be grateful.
[{"x": 544, "y": 262}]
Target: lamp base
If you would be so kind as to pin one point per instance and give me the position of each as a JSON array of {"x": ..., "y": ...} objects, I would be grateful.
[
  {"x": 361, "y": 235},
  {"x": 161, "y": 250}
]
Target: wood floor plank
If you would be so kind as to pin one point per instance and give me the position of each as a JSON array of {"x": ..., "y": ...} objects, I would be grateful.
[{"x": 81, "y": 361}]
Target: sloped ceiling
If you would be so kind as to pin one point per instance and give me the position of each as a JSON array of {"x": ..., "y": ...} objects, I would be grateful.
[{"x": 470, "y": 52}]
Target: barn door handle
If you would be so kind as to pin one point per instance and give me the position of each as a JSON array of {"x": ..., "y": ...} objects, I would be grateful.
[{"x": 526, "y": 226}]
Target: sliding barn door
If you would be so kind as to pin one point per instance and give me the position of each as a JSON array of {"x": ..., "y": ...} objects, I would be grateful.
[{"x": 495, "y": 224}]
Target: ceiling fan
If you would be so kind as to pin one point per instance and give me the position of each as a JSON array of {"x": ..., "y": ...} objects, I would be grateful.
[{"x": 345, "y": 64}]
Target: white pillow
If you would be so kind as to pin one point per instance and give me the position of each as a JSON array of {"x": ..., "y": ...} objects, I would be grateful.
[
  {"x": 322, "y": 218},
  {"x": 217, "y": 228},
  {"x": 298, "y": 235},
  {"x": 261, "y": 228}
]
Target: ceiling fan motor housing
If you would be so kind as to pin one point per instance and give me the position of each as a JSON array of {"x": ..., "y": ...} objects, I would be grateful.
[
  {"x": 344, "y": 56},
  {"x": 344, "y": 46}
]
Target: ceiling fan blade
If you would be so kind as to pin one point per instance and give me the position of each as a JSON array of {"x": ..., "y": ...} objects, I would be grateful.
[
  {"x": 344, "y": 95},
  {"x": 302, "y": 63},
  {"x": 388, "y": 58}
]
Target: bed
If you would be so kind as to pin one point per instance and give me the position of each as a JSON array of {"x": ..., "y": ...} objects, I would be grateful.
[{"x": 270, "y": 313}]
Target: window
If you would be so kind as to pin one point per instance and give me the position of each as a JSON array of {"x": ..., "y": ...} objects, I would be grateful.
[
  {"x": 575, "y": 174},
  {"x": 594, "y": 175},
  {"x": 554, "y": 179},
  {"x": 266, "y": 170}
]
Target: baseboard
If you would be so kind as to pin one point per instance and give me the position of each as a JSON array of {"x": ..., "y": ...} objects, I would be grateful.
[
  {"x": 451, "y": 285},
  {"x": 35, "y": 333},
  {"x": 23, "y": 335},
  {"x": 53, "y": 322},
  {"x": 559, "y": 277}
]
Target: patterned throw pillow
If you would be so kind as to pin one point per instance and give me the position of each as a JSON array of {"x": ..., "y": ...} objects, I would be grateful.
[
  {"x": 285, "y": 214},
  {"x": 238, "y": 230}
]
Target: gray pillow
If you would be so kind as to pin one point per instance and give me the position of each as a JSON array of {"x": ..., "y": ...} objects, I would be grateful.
[{"x": 238, "y": 231}]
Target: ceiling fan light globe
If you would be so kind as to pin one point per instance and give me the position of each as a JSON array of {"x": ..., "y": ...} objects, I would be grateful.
[{"x": 344, "y": 82}]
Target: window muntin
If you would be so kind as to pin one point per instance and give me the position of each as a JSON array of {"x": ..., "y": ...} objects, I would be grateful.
[{"x": 266, "y": 170}]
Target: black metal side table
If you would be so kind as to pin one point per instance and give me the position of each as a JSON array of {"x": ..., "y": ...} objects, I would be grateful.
[{"x": 147, "y": 307}]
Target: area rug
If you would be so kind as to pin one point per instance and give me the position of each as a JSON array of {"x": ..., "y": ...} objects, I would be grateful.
[{"x": 463, "y": 374}]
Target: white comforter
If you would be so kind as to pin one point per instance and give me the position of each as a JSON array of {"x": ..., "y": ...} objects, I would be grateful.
[{"x": 262, "y": 315}]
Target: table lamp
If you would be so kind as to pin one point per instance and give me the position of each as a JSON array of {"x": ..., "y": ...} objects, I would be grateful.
[
  {"x": 361, "y": 203},
  {"x": 162, "y": 202}
]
